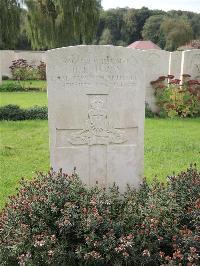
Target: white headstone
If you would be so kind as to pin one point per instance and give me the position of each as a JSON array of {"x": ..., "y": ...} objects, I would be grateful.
[
  {"x": 7, "y": 56},
  {"x": 175, "y": 64},
  {"x": 191, "y": 63},
  {"x": 156, "y": 64},
  {"x": 96, "y": 113}
]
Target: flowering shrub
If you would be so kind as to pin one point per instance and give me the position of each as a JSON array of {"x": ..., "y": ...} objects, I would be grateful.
[
  {"x": 174, "y": 99},
  {"x": 56, "y": 220},
  {"x": 21, "y": 70}
]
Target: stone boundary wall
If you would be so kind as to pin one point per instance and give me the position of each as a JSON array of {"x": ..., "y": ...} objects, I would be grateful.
[
  {"x": 190, "y": 63},
  {"x": 156, "y": 63},
  {"x": 7, "y": 56}
]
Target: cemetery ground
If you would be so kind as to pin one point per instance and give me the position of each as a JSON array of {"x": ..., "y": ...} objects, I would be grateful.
[
  {"x": 27, "y": 84},
  {"x": 23, "y": 99},
  {"x": 170, "y": 145}
]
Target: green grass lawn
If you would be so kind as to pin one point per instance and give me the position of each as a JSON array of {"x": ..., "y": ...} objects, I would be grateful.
[
  {"x": 170, "y": 145},
  {"x": 24, "y": 150},
  {"x": 23, "y": 99},
  {"x": 41, "y": 84}
]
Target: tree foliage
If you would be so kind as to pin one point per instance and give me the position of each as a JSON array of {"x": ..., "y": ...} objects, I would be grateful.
[
  {"x": 53, "y": 23},
  {"x": 195, "y": 23},
  {"x": 130, "y": 30},
  {"x": 45, "y": 24},
  {"x": 127, "y": 25},
  {"x": 9, "y": 23},
  {"x": 151, "y": 30},
  {"x": 110, "y": 27},
  {"x": 23, "y": 43},
  {"x": 106, "y": 37},
  {"x": 177, "y": 32}
]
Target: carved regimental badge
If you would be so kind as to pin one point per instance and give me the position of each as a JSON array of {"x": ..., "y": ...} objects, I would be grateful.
[{"x": 97, "y": 129}]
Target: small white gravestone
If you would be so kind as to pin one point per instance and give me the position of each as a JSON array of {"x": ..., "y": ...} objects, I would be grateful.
[
  {"x": 191, "y": 63},
  {"x": 157, "y": 64},
  {"x": 7, "y": 56},
  {"x": 96, "y": 113},
  {"x": 175, "y": 64}
]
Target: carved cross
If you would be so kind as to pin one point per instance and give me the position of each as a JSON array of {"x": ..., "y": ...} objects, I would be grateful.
[{"x": 98, "y": 134}]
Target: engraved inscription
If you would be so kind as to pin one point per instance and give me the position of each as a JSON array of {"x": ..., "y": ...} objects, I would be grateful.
[
  {"x": 108, "y": 71},
  {"x": 97, "y": 129}
]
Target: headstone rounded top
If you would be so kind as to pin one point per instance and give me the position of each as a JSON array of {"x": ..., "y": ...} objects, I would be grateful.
[{"x": 96, "y": 47}]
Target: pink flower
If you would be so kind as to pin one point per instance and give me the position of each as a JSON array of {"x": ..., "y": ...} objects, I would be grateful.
[
  {"x": 130, "y": 236},
  {"x": 162, "y": 254},
  {"x": 50, "y": 253},
  {"x": 146, "y": 253}
]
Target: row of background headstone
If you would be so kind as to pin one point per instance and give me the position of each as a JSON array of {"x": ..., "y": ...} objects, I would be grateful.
[{"x": 156, "y": 62}]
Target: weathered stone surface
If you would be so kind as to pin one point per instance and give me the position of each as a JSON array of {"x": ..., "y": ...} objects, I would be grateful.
[
  {"x": 6, "y": 61},
  {"x": 191, "y": 63},
  {"x": 96, "y": 113},
  {"x": 156, "y": 63},
  {"x": 175, "y": 64}
]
